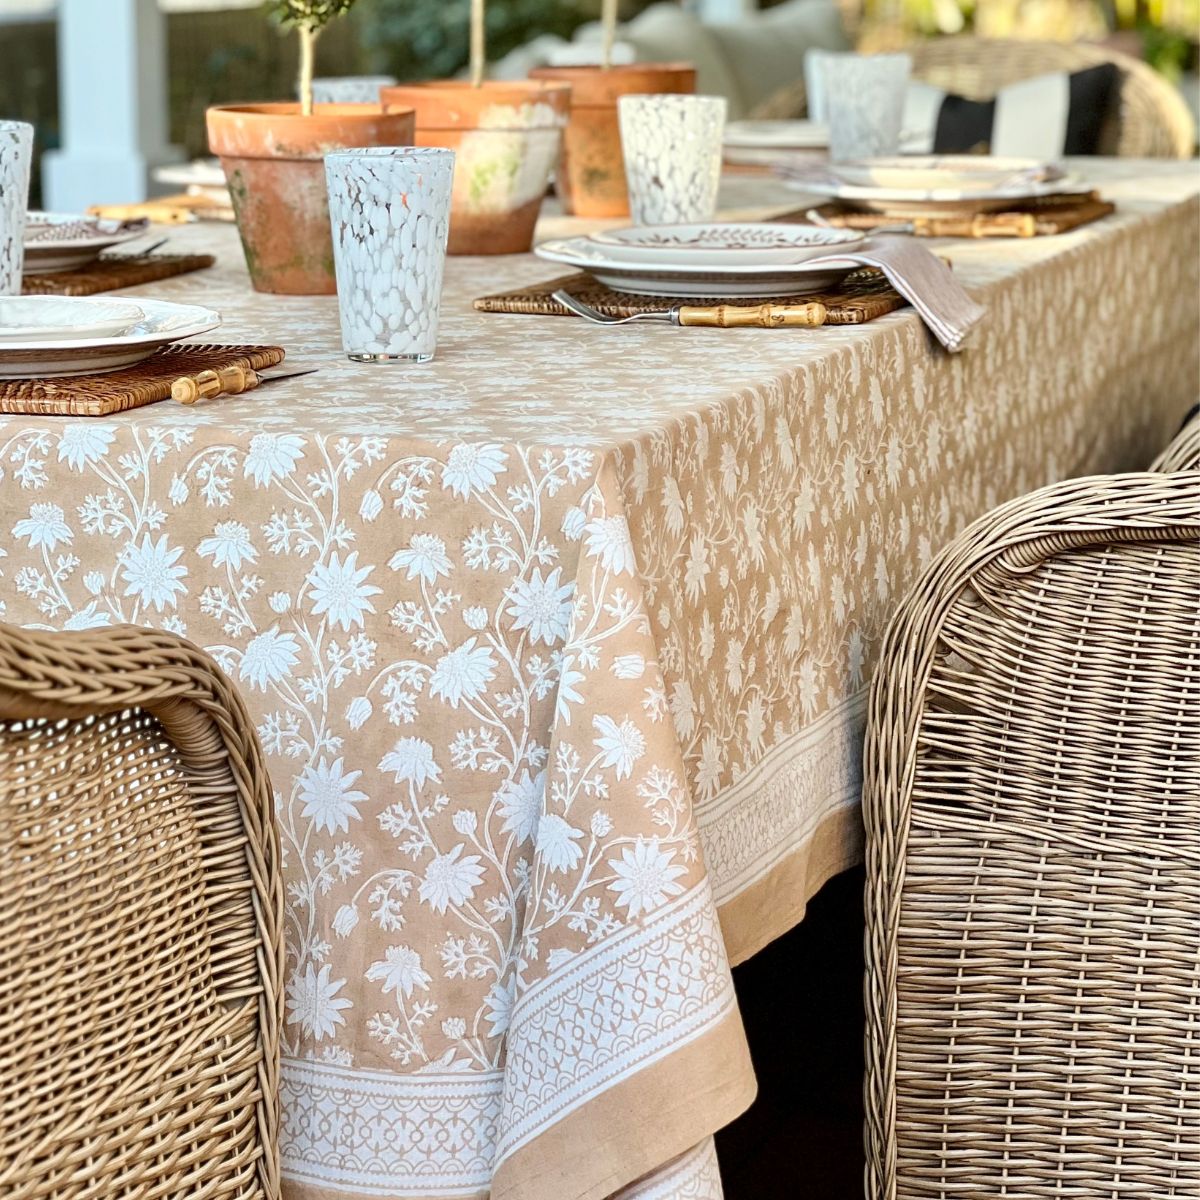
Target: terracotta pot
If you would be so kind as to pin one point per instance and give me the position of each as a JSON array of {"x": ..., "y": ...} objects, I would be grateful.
[
  {"x": 273, "y": 162},
  {"x": 591, "y": 179},
  {"x": 506, "y": 137}
]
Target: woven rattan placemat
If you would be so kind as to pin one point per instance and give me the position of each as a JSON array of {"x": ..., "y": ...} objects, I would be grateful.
[
  {"x": 1039, "y": 218},
  {"x": 111, "y": 271},
  {"x": 130, "y": 387},
  {"x": 860, "y": 297}
]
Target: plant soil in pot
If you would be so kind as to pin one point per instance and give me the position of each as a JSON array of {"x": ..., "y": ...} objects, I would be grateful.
[
  {"x": 591, "y": 178},
  {"x": 506, "y": 138},
  {"x": 272, "y": 156}
]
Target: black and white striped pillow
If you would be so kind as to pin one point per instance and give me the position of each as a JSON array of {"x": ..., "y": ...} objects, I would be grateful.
[{"x": 1044, "y": 117}]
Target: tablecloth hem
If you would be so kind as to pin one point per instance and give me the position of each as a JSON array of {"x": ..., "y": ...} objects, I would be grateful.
[
  {"x": 778, "y": 901},
  {"x": 634, "y": 1128}
]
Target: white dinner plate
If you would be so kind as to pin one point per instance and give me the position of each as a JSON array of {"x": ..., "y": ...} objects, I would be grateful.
[
  {"x": 25, "y": 319},
  {"x": 65, "y": 241},
  {"x": 723, "y": 244},
  {"x": 162, "y": 322},
  {"x": 776, "y": 135},
  {"x": 748, "y": 143},
  {"x": 923, "y": 183},
  {"x": 201, "y": 172},
  {"x": 696, "y": 280}
]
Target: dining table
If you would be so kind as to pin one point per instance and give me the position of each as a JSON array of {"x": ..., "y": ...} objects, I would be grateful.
[{"x": 558, "y": 648}]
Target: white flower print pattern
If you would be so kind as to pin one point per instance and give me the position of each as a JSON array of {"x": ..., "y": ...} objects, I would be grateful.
[
  {"x": 525, "y": 644},
  {"x": 329, "y": 797},
  {"x": 45, "y": 527},
  {"x": 313, "y": 1002},
  {"x": 451, "y": 879},
  {"x": 153, "y": 573},
  {"x": 340, "y": 589},
  {"x": 646, "y": 876}
]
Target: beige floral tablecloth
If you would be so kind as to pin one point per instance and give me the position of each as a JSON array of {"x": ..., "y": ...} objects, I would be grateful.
[{"x": 557, "y": 648}]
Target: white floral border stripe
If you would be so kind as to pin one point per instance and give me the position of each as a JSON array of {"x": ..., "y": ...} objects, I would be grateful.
[
  {"x": 692, "y": 1176},
  {"x": 773, "y": 810},
  {"x": 634, "y": 1019},
  {"x": 374, "y": 1133}
]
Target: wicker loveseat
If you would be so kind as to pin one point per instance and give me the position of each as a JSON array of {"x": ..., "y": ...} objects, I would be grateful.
[
  {"x": 141, "y": 937},
  {"x": 1032, "y": 801}
]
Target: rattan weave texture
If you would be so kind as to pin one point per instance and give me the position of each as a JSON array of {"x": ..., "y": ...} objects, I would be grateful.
[
  {"x": 1032, "y": 801},
  {"x": 862, "y": 296},
  {"x": 141, "y": 940},
  {"x": 146, "y": 382},
  {"x": 112, "y": 271},
  {"x": 1183, "y": 454}
]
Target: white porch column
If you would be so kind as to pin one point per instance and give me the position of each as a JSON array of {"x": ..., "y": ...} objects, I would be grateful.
[{"x": 112, "y": 83}]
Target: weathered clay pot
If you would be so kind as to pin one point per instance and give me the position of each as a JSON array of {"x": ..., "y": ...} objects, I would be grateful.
[
  {"x": 272, "y": 157},
  {"x": 591, "y": 179},
  {"x": 506, "y": 137}
]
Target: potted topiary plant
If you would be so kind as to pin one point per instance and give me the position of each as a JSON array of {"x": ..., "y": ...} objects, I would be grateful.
[
  {"x": 272, "y": 155},
  {"x": 591, "y": 178},
  {"x": 506, "y": 137}
]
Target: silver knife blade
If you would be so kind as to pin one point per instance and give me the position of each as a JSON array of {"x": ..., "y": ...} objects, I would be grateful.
[{"x": 276, "y": 376}]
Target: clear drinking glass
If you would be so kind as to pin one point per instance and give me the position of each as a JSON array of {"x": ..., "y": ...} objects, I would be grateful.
[
  {"x": 672, "y": 147},
  {"x": 863, "y": 97},
  {"x": 389, "y": 209},
  {"x": 350, "y": 89},
  {"x": 16, "y": 156}
]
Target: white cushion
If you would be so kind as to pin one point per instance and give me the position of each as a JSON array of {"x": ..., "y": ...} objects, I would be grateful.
[
  {"x": 517, "y": 64},
  {"x": 766, "y": 52}
]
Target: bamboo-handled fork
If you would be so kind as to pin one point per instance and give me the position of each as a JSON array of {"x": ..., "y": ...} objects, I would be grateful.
[{"x": 722, "y": 316}]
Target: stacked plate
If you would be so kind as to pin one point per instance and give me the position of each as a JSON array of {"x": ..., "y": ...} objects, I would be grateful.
[
  {"x": 755, "y": 142},
  {"x": 66, "y": 241},
  {"x": 710, "y": 260},
  {"x": 749, "y": 143},
  {"x": 919, "y": 185},
  {"x": 53, "y": 336}
]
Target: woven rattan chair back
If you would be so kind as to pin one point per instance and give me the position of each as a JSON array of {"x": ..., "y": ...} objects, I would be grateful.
[
  {"x": 1032, "y": 803},
  {"x": 1152, "y": 119},
  {"x": 140, "y": 936},
  {"x": 1183, "y": 453}
]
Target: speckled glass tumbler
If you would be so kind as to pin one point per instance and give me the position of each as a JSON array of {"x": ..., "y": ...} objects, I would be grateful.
[
  {"x": 672, "y": 147},
  {"x": 389, "y": 208},
  {"x": 863, "y": 96},
  {"x": 16, "y": 155}
]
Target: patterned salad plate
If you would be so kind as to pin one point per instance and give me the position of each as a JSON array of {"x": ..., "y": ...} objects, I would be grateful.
[
  {"x": 922, "y": 183},
  {"x": 66, "y": 241},
  {"x": 671, "y": 277},
  {"x": 45, "y": 355},
  {"x": 723, "y": 244}
]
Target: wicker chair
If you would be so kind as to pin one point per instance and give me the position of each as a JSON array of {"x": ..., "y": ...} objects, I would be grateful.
[
  {"x": 1151, "y": 120},
  {"x": 141, "y": 939},
  {"x": 1032, "y": 802},
  {"x": 1183, "y": 454}
]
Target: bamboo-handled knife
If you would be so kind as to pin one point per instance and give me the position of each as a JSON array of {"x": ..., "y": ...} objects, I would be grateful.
[
  {"x": 722, "y": 316},
  {"x": 226, "y": 381}
]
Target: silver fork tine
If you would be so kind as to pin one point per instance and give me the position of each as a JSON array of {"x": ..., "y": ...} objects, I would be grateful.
[{"x": 577, "y": 306}]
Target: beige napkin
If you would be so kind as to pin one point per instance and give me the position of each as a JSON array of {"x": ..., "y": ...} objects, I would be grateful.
[{"x": 924, "y": 281}]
